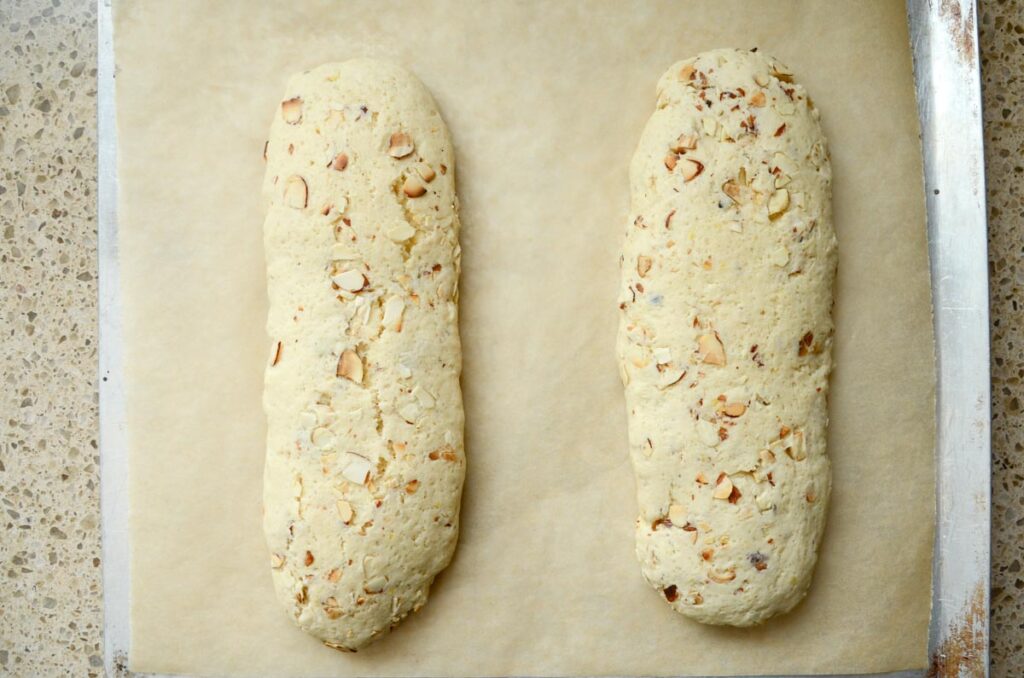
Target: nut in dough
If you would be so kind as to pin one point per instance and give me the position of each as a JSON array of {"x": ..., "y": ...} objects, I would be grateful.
[
  {"x": 725, "y": 337},
  {"x": 364, "y": 464}
]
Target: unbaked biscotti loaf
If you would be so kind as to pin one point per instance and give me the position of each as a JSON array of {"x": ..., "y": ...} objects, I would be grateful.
[
  {"x": 365, "y": 463},
  {"x": 725, "y": 337}
]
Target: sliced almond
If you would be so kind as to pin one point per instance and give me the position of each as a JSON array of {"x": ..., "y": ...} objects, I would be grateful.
[
  {"x": 757, "y": 99},
  {"x": 782, "y": 73},
  {"x": 711, "y": 350},
  {"x": 333, "y": 611},
  {"x": 393, "y": 310},
  {"x": 643, "y": 265},
  {"x": 277, "y": 354},
  {"x": 701, "y": 479},
  {"x": 685, "y": 142},
  {"x": 375, "y": 585},
  {"x": 350, "y": 366},
  {"x": 413, "y": 187},
  {"x": 710, "y": 126},
  {"x": 340, "y": 162},
  {"x": 358, "y": 469},
  {"x": 677, "y": 514},
  {"x": 692, "y": 169},
  {"x": 401, "y": 232},
  {"x": 291, "y": 110},
  {"x": 734, "y": 410},
  {"x": 345, "y": 512},
  {"x": 276, "y": 561},
  {"x": 778, "y": 204},
  {"x": 723, "y": 487},
  {"x": 686, "y": 72},
  {"x": 426, "y": 171},
  {"x": 761, "y": 79},
  {"x": 400, "y": 145},
  {"x": 410, "y": 412},
  {"x": 351, "y": 280},
  {"x": 766, "y": 456},
  {"x": 296, "y": 194},
  {"x": 796, "y": 451},
  {"x": 732, "y": 189},
  {"x": 322, "y": 438},
  {"x": 670, "y": 161},
  {"x": 722, "y": 577},
  {"x": 412, "y": 486},
  {"x": 340, "y": 207},
  {"x": 670, "y": 377}
]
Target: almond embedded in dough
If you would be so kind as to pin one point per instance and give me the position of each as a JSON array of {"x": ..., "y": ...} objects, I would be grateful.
[
  {"x": 354, "y": 295},
  {"x": 734, "y": 321}
]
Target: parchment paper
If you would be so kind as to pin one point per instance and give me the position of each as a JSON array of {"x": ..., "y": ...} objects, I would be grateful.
[{"x": 545, "y": 101}]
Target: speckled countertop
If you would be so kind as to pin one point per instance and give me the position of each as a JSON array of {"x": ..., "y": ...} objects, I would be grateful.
[
  {"x": 1002, "y": 70},
  {"x": 50, "y": 570}
]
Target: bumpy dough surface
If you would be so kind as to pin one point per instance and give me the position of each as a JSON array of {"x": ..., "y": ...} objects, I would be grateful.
[
  {"x": 725, "y": 337},
  {"x": 365, "y": 463}
]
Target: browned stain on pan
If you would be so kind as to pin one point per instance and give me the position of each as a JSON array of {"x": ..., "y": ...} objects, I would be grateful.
[
  {"x": 962, "y": 652},
  {"x": 960, "y": 28}
]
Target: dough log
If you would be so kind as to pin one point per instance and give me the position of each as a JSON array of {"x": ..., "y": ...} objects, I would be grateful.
[
  {"x": 725, "y": 337},
  {"x": 364, "y": 463}
]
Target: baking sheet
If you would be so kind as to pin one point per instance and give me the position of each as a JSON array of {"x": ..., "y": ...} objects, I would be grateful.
[{"x": 545, "y": 563}]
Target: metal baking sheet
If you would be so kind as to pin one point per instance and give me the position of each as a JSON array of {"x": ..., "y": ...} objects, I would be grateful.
[{"x": 947, "y": 80}]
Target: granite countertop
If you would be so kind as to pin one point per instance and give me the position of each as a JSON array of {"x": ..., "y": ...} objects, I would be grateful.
[{"x": 50, "y": 586}]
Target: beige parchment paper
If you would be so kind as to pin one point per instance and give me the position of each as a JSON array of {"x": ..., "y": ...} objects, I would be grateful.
[{"x": 545, "y": 101}]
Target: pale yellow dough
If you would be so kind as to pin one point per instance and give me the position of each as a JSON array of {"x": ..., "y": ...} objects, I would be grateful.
[
  {"x": 725, "y": 341},
  {"x": 365, "y": 461}
]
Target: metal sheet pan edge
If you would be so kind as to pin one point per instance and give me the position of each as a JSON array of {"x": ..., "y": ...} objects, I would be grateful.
[{"x": 947, "y": 77}]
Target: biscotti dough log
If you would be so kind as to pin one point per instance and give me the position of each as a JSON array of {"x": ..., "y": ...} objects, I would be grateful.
[
  {"x": 725, "y": 337},
  {"x": 365, "y": 463}
]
